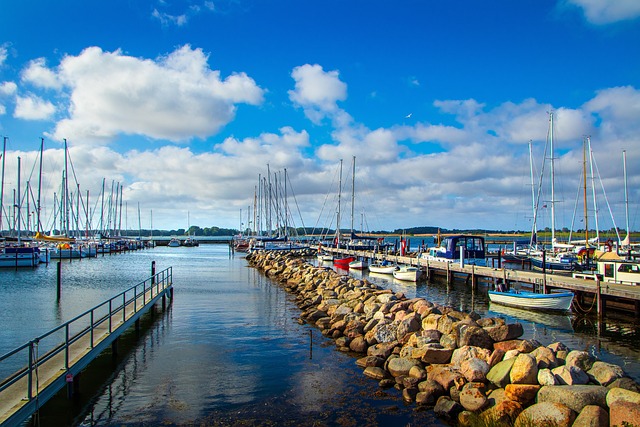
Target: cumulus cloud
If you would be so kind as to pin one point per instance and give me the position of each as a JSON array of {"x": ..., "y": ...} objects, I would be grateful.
[
  {"x": 175, "y": 97},
  {"x": 8, "y": 88},
  {"x": 32, "y": 107},
  {"x": 39, "y": 75},
  {"x": 602, "y": 12},
  {"x": 318, "y": 92}
]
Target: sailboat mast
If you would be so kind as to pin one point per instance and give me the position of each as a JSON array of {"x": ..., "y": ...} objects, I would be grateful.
[
  {"x": 67, "y": 222},
  {"x": 18, "y": 203},
  {"x": 4, "y": 153},
  {"x": 553, "y": 186},
  {"x": 584, "y": 193},
  {"x": 286, "y": 206},
  {"x": 626, "y": 193},
  {"x": 353, "y": 191},
  {"x": 38, "y": 207},
  {"x": 593, "y": 191},
  {"x": 534, "y": 225},
  {"x": 339, "y": 196}
]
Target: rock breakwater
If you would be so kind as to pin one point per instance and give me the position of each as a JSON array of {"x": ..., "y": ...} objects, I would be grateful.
[{"x": 466, "y": 367}]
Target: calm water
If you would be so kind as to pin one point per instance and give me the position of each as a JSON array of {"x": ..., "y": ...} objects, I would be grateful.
[{"x": 229, "y": 349}]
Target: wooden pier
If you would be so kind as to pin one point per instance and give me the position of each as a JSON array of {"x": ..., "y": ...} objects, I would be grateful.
[
  {"x": 588, "y": 291},
  {"x": 50, "y": 365}
]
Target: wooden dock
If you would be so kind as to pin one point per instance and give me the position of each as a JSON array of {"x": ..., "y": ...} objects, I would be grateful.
[
  {"x": 588, "y": 291},
  {"x": 51, "y": 365}
]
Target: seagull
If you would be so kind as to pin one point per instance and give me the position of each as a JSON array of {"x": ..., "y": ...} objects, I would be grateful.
[{"x": 408, "y": 116}]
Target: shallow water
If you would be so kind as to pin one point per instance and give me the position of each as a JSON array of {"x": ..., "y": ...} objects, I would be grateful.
[{"x": 229, "y": 349}]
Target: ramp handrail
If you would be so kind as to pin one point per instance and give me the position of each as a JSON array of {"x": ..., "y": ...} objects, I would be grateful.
[{"x": 79, "y": 327}]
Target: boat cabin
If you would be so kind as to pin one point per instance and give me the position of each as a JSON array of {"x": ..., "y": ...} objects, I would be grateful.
[
  {"x": 626, "y": 272},
  {"x": 451, "y": 246}
]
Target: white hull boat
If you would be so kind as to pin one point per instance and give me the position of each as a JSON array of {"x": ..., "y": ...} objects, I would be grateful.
[
  {"x": 358, "y": 264},
  {"x": 382, "y": 268},
  {"x": 560, "y": 301},
  {"x": 407, "y": 273}
]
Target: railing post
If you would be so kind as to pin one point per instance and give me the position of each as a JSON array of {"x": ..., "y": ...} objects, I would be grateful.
[
  {"x": 153, "y": 272},
  {"x": 110, "y": 314},
  {"x": 30, "y": 380},
  {"x": 124, "y": 307},
  {"x": 66, "y": 347},
  {"x": 91, "y": 328}
]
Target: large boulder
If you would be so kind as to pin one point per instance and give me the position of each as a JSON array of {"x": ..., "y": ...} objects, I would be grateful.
[
  {"x": 506, "y": 332},
  {"x": 622, "y": 395},
  {"x": 447, "y": 408},
  {"x": 474, "y": 369},
  {"x": 624, "y": 414},
  {"x": 428, "y": 392},
  {"x": 400, "y": 366},
  {"x": 521, "y": 393},
  {"x": 474, "y": 336},
  {"x": 579, "y": 359},
  {"x": 524, "y": 370},
  {"x": 473, "y": 398},
  {"x": 570, "y": 375},
  {"x": 605, "y": 373},
  {"x": 500, "y": 373},
  {"x": 592, "y": 416},
  {"x": 546, "y": 413},
  {"x": 574, "y": 397},
  {"x": 446, "y": 376}
]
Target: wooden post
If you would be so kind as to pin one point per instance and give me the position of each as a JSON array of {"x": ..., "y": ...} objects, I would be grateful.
[
  {"x": 153, "y": 273},
  {"x": 58, "y": 279},
  {"x": 599, "y": 299}
]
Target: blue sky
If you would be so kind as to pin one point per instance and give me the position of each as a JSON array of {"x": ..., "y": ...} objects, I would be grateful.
[{"x": 184, "y": 103}]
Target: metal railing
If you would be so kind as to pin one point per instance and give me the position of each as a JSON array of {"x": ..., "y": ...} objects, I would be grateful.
[{"x": 95, "y": 323}]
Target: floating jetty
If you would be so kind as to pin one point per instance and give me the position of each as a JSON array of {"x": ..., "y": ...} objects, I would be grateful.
[
  {"x": 462, "y": 365},
  {"x": 590, "y": 294},
  {"x": 50, "y": 365}
]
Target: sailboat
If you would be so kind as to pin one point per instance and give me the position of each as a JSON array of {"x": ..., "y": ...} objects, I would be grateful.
[
  {"x": 561, "y": 257},
  {"x": 190, "y": 242},
  {"x": 341, "y": 262},
  {"x": 18, "y": 255}
]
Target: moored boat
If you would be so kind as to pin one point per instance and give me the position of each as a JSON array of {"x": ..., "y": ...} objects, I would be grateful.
[
  {"x": 343, "y": 262},
  {"x": 558, "y": 301},
  {"x": 382, "y": 268},
  {"x": 358, "y": 264},
  {"x": 174, "y": 242},
  {"x": 407, "y": 273}
]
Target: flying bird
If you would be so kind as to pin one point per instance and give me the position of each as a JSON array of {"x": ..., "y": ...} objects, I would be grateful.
[{"x": 408, "y": 116}]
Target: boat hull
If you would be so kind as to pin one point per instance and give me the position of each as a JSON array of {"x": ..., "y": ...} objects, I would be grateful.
[
  {"x": 407, "y": 274},
  {"x": 382, "y": 269},
  {"x": 343, "y": 262},
  {"x": 529, "y": 300}
]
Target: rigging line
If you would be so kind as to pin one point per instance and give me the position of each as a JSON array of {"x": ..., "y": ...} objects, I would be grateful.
[
  {"x": 295, "y": 200},
  {"x": 606, "y": 199}
]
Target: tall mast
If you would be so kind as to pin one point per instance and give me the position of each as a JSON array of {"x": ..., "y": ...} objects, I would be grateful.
[
  {"x": 18, "y": 203},
  {"x": 38, "y": 207},
  {"x": 593, "y": 190},
  {"x": 534, "y": 224},
  {"x": 286, "y": 205},
  {"x": 584, "y": 187},
  {"x": 339, "y": 197},
  {"x": 4, "y": 152},
  {"x": 102, "y": 229},
  {"x": 553, "y": 185},
  {"x": 66, "y": 189},
  {"x": 353, "y": 191},
  {"x": 626, "y": 194}
]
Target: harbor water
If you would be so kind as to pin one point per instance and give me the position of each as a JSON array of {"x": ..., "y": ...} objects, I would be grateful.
[{"x": 229, "y": 350}]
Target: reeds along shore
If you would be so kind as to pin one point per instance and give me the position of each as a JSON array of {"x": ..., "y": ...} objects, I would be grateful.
[{"x": 473, "y": 370}]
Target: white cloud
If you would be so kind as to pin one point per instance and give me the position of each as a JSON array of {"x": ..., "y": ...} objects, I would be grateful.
[
  {"x": 317, "y": 92},
  {"x": 39, "y": 75},
  {"x": 167, "y": 19},
  {"x": 32, "y": 107},
  {"x": 3, "y": 54},
  {"x": 602, "y": 12},
  {"x": 8, "y": 88},
  {"x": 176, "y": 97}
]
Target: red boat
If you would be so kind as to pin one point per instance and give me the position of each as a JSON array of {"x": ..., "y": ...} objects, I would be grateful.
[{"x": 343, "y": 262}]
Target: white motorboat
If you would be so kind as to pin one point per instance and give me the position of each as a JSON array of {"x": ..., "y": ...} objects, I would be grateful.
[
  {"x": 174, "y": 243},
  {"x": 558, "y": 301},
  {"x": 382, "y": 268},
  {"x": 407, "y": 273},
  {"x": 358, "y": 264}
]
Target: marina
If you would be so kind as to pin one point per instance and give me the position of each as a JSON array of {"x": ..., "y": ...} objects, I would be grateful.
[{"x": 214, "y": 295}]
